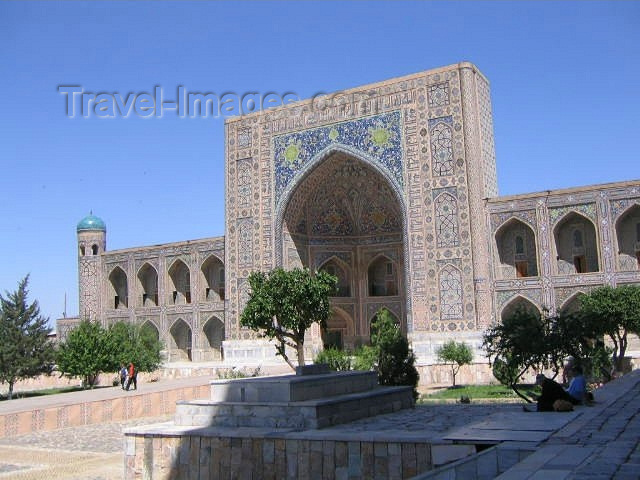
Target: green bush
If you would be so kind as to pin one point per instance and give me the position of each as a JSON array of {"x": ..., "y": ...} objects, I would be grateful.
[
  {"x": 338, "y": 360},
  {"x": 396, "y": 361},
  {"x": 365, "y": 358}
]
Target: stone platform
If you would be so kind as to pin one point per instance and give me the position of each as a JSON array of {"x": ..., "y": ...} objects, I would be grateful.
[{"x": 293, "y": 402}]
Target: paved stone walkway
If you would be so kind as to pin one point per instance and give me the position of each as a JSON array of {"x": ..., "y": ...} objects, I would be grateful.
[{"x": 92, "y": 452}]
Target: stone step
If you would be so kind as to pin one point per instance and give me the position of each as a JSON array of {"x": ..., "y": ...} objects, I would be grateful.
[
  {"x": 292, "y": 388},
  {"x": 315, "y": 413}
]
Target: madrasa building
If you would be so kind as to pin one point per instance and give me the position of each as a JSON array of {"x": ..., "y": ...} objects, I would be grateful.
[{"x": 391, "y": 187}]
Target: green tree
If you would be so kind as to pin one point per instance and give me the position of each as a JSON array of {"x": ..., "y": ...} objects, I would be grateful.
[
  {"x": 284, "y": 304},
  {"x": 455, "y": 354},
  {"x": 616, "y": 312},
  {"x": 85, "y": 353},
  {"x": 395, "y": 362},
  {"x": 520, "y": 342},
  {"x": 132, "y": 343},
  {"x": 25, "y": 349}
]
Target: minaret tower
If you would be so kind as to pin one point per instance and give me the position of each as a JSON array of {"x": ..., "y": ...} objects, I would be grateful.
[{"x": 92, "y": 242}]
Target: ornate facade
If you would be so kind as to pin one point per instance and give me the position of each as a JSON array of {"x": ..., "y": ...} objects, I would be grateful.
[{"x": 392, "y": 187}]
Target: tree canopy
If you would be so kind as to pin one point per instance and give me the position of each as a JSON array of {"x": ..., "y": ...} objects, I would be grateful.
[
  {"x": 25, "y": 349},
  {"x": 283, "y": 304},
  {"x": 616, "y": 313},
  {"x": 91, "y": 349}
]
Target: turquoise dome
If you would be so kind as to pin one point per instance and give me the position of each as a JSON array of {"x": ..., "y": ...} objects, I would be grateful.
[{"x": 91, "y": 223}]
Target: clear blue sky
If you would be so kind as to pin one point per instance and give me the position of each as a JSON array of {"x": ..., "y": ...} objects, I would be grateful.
[{"x": 564, "y": 80}]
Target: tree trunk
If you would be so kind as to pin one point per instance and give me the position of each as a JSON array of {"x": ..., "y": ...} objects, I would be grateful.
[
  {"x": 300, "y": 349},
  {"x": 10, "y": 392}
]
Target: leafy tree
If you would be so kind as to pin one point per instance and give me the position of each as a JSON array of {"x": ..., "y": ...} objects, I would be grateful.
[
  {"x": 616, "y": 311},
  {"x": 455, "y": 354},
  {"x": 25, "y": 349},
  {"x": 85, "y": 353},
  {"x": 522, "y": 341},
  {"x": 132, "y": 343},
  {"x": 395, "y": 361},
  {"x": 284, "y": 304},
  {"x": 91, "y": 349}
]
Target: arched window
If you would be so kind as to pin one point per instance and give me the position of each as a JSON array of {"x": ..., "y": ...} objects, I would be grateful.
[
  {"x": 214, "y": 334},
  {"x": 181, "y": 340},
  {"x": 181, "y": 283},
  {"x": 94, "y": 249},
  {"x": 382, "y": 278},
  {"x": 446, "y": 220},
  {"x": 148, "y": 283},
  {"x": 213, "y": 273},
  {"x": 119, "y": 288},
  {"x": 518, "y": 304},
  {"x": 442, "y": 150},
  {"x": 576, "y": 245},
  {"x": 450, "y": 293},
  {"x": 628, "y": 233},
  {"x": 333, "y": 267},
  {"x": 82, "y": 250}
]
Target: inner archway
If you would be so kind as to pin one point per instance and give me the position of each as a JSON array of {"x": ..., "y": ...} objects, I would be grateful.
[{"x": 345, "y": 216}]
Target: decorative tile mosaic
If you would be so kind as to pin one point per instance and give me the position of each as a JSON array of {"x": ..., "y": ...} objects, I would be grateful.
[
  {"x": 439, "y": 95},
  {"x": 378, "y": 138},
  {"x": 587, "y": 209},
  {"x": 450, "y": 293}
]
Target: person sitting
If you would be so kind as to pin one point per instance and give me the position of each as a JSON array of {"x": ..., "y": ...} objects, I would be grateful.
[
  {"x": 578, "y": 386},
  {"x": 551, "y": 391}
]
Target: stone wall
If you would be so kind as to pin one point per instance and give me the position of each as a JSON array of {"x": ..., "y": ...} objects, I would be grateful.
[{"x": 201, "y": 456}]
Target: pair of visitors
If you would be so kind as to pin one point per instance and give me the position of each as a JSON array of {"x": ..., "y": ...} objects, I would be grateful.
[
  {"x": 123, "y": 375},
  {"x": 552, "y": 392},
  {"x": 132, "y": 375}
]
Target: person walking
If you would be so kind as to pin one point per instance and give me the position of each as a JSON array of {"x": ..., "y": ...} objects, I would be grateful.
[
  {"x": 123, "y": 376},
  {"x": 132, "y": 374}
]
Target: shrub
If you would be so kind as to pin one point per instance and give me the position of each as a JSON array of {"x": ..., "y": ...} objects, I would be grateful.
[
  {"x": 395, "y": 360},
  {"x": 338, "y": 360}
]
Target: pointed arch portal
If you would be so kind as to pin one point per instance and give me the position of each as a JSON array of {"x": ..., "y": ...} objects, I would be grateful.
[{"x": 346, "y": 216}]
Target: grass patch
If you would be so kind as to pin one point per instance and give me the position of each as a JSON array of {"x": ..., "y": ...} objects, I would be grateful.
[
  {"x": 478, "y": 392},
  {"x": 47, "y": 391}
]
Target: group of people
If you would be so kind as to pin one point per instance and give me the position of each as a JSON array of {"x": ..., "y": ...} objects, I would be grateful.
[
  {"x": 556, "y": 398},
  {"x": 128, "y": 377}
]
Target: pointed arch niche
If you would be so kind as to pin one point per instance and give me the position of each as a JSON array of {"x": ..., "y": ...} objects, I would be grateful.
[
  {"x": 118, "y": 288},
  {"x": 576, "y": 245},
  {"x": 572, "y": 304},
  {"x": 346, "y": 215},
  {"x": 516, "y": 246},
  {"x": 212, "y": 271},
  {"x": 151, "y": 329},
  {"x": 342, "y": 271},
  {"x": 628, "y": 234},
  {"x": 180, "y": 279},
  {"x": 180, "y": 341},
  {"x": 518, "y": 303},
  {"x": 148, "y": 284},
  {"x": 213, "y": 336}
]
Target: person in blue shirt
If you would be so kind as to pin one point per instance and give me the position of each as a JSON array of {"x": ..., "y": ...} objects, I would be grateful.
[{"x": 578, "y": 386}]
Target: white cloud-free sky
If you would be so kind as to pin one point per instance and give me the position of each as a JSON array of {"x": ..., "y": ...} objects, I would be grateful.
[{"x": 564, "y": 80}]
